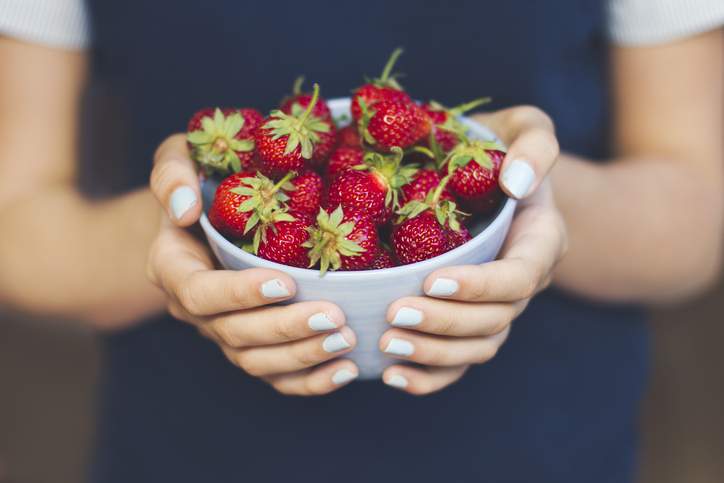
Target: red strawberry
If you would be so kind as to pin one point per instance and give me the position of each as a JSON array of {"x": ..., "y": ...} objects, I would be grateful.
[
  {"x": 285, "y": 142},
  {"x": 423, "y": 237},
  {"x": 424, "y": 181},
  {"x": 475, "y": 166},
  {"x": 391, "y": 123},
  {"x": 242, "y": 201},
  {"x": 299, "y": 101},
  {"x": 327, "y": 142},
  {"x": 221, "y": 141},
  {"x": 342, "y": 240},
  {"x": 457, "y": 238},
  {"x": 384, "y": 88},
  {"x": 343, "y": 158},
  {"x": 305, "y": 193},
  {"x": 373, "y": 189},
  {"x": 349, "y": 136},
  {"x": 383, "y": 259},
  {"x": 283, "y": 241},
  {"x": 446, "y": 127}
]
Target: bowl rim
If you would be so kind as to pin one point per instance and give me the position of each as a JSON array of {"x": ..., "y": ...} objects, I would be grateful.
[{"x": 431, "y": 264}]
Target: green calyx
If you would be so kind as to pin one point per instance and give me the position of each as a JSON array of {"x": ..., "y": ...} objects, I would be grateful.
[
  {"x": 445, "y": 211},
  {"x": 297, "y": 87},
  {"x": 328, "y": 241},
  {"x": 364, "y": 122},
  {"x": 388, "y": 78},
  {"x": 302, "y": 128},
  {"x": 452, "y": 122},
  {"x": 275, "y": 216},
  {"x": 215, "y": 146},
  {"x": 390, "y": 170},
  {"x": 471, "y": 150},
  {"x": 265, "y": 199}
]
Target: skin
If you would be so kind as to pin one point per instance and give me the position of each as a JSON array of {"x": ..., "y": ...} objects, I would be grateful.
[{"x": 619, "y": 224}]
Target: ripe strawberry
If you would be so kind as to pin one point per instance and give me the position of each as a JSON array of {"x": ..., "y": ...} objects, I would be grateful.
[
  {"x": 299, "y": 101},
  {"x": 343, "y": 158},
  {"x": 221, "y": 141},
  {"x": 384, "y": 88},
  {"x": 446, "y": 127},
  {"x": 243, "y": 200},
  {"x": 383, "y": 259},
  {"x": 392, "y": 123},
  {"x": 457, "y": 238},
  {"x": 424, "y": 181},
  {"x": 423, "y": 237},
  {"x": 349, "y": 136},
  {"x": 283, "y": 241},
  {"x": 305, "y": 193},
  {"x": 342, "y": 240},
  {"x": 324, "y": 148},
  {"x": 286, "y": 141},
  {"x": 475, "y": 166},
  {"x": 373, "y": 188}
]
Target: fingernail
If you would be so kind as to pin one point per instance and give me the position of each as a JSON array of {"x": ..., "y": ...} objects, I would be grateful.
[
  {"x": 518, "y": 177},
  {"x": 335, "y": 343},
  {"x": 397, "y": 381},
  {"x": 343, "y": 376},
  {"x": 407, "y": 317},
  {"x": 274, "y": 289},
  {"x": 321, "y": 322},
  {"x": 443, "y": 287},
  {"x": 400, "y": 347},
  {"x": 182, "y": 200}
]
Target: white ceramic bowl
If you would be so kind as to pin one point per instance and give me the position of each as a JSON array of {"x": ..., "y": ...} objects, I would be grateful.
[{"x": 365, "y": 295}]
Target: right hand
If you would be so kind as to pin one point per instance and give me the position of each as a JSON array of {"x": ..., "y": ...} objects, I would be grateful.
[{"x": 284, "y": 345}]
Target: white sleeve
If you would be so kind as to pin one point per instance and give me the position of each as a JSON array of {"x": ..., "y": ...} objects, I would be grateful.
[
  {"x": 641, "y": 22},
  {"x": 57, "y": 23}
]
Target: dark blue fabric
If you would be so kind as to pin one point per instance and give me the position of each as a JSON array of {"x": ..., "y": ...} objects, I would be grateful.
[{"x": 558, "y": 404}]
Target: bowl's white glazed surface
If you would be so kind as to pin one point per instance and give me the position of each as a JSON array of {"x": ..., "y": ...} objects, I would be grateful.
[{"x": 364, "y": 296}]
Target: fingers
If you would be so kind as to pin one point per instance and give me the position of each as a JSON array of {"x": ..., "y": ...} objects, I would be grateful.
[
  {"x": 175, "y": 183},
  {"x": 422, "y": 380},
  {"x": 316, "y": 381},
  {"x": 294, "y": 356},
  {"x": 449, "y": 318},
  {"x": 532, "y": 147},
  {"x": 434, "y": 350}
]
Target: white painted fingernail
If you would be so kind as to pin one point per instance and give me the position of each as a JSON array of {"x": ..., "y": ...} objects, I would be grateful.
[
  {"x": 343, "y": 376},
  {"x": 182, "y": 200},
  {"x": 400, "y": 347},
  {"x": 407, "y": 317},
  {"x": 517, "y": 178},
  {"x": 397, "y": 381},
  {"x": 274, "y": 289},
  {"x": 335, "y": 343},
  {"x": 321, "y": 322},
  {"x": 443, "y": 287}
]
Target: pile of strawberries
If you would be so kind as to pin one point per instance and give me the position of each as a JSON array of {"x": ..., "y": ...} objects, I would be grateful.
[{"x": 393, "y": 187}]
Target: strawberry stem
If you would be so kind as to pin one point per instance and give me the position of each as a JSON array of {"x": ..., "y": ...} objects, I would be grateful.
[
  {"x": 390, "y": 65},
  {"x": 297, "y": 87},
  {"x": 440, "y": 187},
  {"x": 283, "y": 181},
  {"x": 308, "y": 111}
]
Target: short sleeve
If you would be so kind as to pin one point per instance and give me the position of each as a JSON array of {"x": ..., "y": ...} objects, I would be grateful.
[
  {"x": 57, "y": 23},
  {"x": 642, "y": 22}
]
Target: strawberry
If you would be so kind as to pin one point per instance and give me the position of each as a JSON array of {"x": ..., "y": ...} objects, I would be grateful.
[
  {"x": 446, "y": 127},
  {"x": 299, "y": 101},
  {"x": 245, "y": 199},
  {"x": 283, "y": 241},
  {"x": 372, "y": 188},
  {"x": 475, "y": 166},
  {"x": 455, "y": 238},
  {"x": 343, "y": 158},
  {"x": 383, "y": 259},
  {"x": 393, "y": 123},
  {"x": 327, "y": 142},
  {"x": 221, "y": 141},
  {"x": 383, "y": 88},
  {"x": 349, "y": 136},
  {"x": 422, "y": 183},
  {"x": 305, "y": 193},
  {"x": 286, "y": 141},
  {"x": 342, "y": 240}
]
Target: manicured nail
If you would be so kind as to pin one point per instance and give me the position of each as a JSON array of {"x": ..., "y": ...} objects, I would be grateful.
[
  {"x": 518, "y": 177},
  {"x": 397, "y": 381},
  {"x": 321, "y": 322},
  {"x": 443, "y": 287},
  {"x": 335, "y": 343},
  {"x": 274, "y": 289},
  {"x": 343, "y": 376},
  {"x": 407, "y": 317},
  {"x": 400, "y": 347},
  {"x": 182, "y": 200}
]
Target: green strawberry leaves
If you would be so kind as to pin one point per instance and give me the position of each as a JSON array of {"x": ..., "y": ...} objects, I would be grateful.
[
  {"x": 215, "y": 146},
  {"x": 328, "y": 241},
  {"x": 265, "y": 198}
]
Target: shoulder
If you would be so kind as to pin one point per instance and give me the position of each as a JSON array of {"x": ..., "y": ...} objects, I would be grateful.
[
  {"x": 641, "y": 22},
  {"x": 57, "y": 23}
]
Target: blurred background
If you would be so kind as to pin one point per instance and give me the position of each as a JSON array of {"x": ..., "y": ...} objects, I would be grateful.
[{"x": 49, "y": 371}]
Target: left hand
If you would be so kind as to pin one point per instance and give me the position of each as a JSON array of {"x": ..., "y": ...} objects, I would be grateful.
[{"x": 468, "y": 311}]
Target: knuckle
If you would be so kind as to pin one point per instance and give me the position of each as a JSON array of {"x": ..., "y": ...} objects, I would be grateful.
[
  {"x": 239, "y": 295},
  {"x": 189, "y": 299},
  {"x": 304, "y": 357},
  {"x": 446, "y": 325},
  {"x": 249, "y": 364},
  {"x": 227, "y": 334},
  {"x": 487, "y": 352},
  {"x": 283, "y": 330}
]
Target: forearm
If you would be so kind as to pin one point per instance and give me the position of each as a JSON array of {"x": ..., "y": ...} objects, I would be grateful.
[
  {"x": 64, "y": 255},
  {"x": 640, "y": 230}
]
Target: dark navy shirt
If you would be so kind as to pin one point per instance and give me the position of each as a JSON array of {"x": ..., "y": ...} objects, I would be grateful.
[{"x": 558, "y": 404}]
